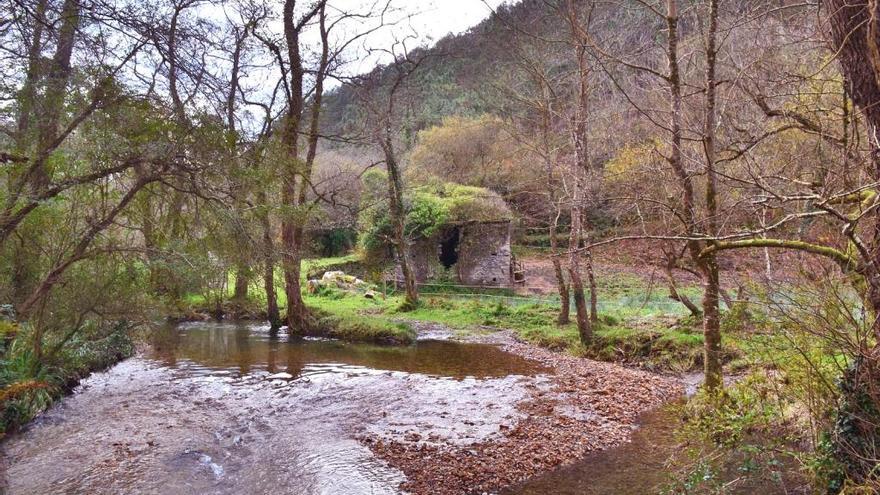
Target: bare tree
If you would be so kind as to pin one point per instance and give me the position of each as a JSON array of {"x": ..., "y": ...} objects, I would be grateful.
[
  {"x": 299, "y": 131},
  {"x": 379, "y": 92},
  {"x": 579, "y": 26},
  {"x": 533, "y": 102}
]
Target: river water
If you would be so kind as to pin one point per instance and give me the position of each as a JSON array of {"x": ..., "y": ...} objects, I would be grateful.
[
  {"x": 229, "y": 408},
  {"x": 218, "y": 408}
]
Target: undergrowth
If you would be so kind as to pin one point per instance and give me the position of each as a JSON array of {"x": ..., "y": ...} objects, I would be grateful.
[{"x": 29, "y": 386}]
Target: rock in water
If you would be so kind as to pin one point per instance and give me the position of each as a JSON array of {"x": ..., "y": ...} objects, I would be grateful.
[{"x": 280, "y": 376}]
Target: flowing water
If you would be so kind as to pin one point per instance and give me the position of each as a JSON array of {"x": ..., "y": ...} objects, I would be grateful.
[
  {"x": 231, "y": 409},
  {"x": 227, "y": 408}
]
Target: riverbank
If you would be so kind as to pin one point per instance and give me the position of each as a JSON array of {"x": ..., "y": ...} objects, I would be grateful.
[
  {"x": 639, "y": 326},
  {"x": 588, "y": 406},
  {"x": 29, "y": 386}
]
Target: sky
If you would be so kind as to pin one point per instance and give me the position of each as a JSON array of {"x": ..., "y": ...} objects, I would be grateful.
[
  {"x": 430, "y": 20},
  {"x": 440, "y": 17},
  {"x": 421, "y": 22}
]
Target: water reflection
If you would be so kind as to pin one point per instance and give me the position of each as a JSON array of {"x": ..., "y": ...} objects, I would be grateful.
[{"x": 238, "y": 348}]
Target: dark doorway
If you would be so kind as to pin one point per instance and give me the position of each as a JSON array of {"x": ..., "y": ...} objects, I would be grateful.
[{"x": 449, "y": 247}]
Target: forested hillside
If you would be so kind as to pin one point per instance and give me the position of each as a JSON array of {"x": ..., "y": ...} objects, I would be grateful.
[{"x": 471, "y": 269}]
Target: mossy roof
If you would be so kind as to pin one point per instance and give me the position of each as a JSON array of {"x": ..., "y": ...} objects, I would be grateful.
[{"x": 464, "y": 204}]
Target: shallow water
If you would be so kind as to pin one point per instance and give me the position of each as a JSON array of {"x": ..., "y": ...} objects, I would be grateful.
[
  {"x": 639, "y": 467},
  {"x": 634, "y": 468},
  {"x": 221, "y": 408},
  {"x": 236, "y": 350}
]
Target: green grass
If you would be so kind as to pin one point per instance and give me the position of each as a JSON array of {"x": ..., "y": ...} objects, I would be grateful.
[
  {"x": 355, "y": 318},
  {"x": 659, "y": 346},
  {"x": 638, "y": 326}
]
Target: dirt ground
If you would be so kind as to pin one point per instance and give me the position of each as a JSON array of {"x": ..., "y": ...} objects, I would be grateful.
[{"x": 641, "y": 263}]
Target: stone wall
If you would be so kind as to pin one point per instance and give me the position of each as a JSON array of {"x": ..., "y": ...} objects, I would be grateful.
[
  {"x": 483, "y": 252},
  {"x": 484, "y": 255},
  {"x": 423, "y": 257}
]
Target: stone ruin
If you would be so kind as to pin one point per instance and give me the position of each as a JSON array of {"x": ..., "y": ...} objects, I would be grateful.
[{"x": 475, "y": 253}]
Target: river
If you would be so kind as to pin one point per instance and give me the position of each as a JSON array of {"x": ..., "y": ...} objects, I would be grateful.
[{"x": 229, "y": 408}]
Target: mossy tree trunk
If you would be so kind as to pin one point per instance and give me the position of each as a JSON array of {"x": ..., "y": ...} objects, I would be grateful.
[
  {"x": 580, "y": 163},
  {"x": 709, "y": 264},
  {"x": 398, "y": 215},
  {"x": 855, "y": 38},
  {"x": 296, "y": 180}
]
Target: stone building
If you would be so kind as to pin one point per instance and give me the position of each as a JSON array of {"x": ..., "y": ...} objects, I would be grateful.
[
  {"x": 473, "y": 253},
  {"x": 456, "y": 234}
]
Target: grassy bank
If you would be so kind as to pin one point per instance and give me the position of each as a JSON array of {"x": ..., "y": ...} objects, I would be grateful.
[
  {"x": 638, "y": 337},
  {"x": 28, "y": 387},
  {"x": 638, "y": 326}
]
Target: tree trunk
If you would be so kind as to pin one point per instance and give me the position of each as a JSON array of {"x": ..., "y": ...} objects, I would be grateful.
[
  {"x": 855, "y": 38},
  {"x": 272, "y": 313},
  {"x": 242, "y": 279},
  {"x": 268, "y": 264},
  {"x": 298, "y": 317},
  {"x": 712, "y": 327},
  {"x": 291, "y": 232},
  {"x": 297, "y": 174},
  {"x": 564, "y": 296},
  {"x": 594, "y": 296},
  {"x": 28, "y": 96},
  {"x": 45, "y": 111},
  {"x": 711, "y": 310},
  {"x": 52, "y": 107},
  {"x": 398, "y": 215},
  {"x": 585, "y": 330},
  {"x": 579, "y": 170},
  {"x": 239, "y": 194}
]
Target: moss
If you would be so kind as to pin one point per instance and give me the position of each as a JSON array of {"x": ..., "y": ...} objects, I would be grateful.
[{"x": 428, "y": 209}]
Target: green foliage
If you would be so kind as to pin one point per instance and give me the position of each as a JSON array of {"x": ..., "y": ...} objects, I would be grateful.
[
  {"x": 739, "y": 434},
  {"x": 472, "y": 151},
  {"x": 29, "y": 386},
  {"x": 428, "y": 209},
  {"x": 426, "y": 214},
  {"x": 334, "y": 242}
]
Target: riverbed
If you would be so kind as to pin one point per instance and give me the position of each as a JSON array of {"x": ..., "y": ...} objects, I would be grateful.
[{"x": 227, "y": 408}]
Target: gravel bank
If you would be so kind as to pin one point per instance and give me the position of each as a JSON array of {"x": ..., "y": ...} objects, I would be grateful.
[{"x": 588, "y": 406}]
